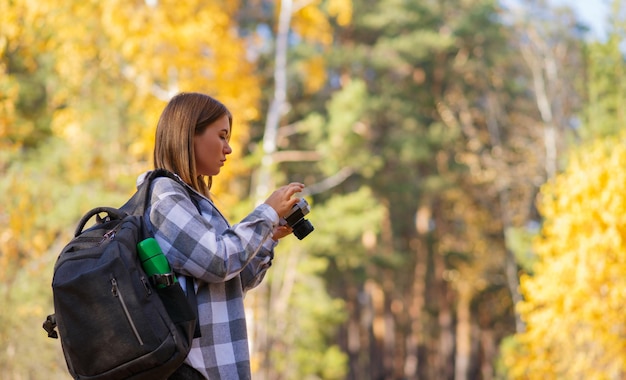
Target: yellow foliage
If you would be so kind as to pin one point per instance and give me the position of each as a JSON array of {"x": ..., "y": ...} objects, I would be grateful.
[
  {"x": 115, "y": 64},
  {"x": 574, "y": 304},
  {"x": 311, "y": 22},
  {"x": 342, "y": 10},
  {"x": 13, "y": 18},
  {"x": 108, "y": 68},
  {"x": 314, "y": 74},
  {"x": 10, "y": 89}
]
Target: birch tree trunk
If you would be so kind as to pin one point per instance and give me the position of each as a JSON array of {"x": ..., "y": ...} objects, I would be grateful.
[{"x": 261, "y": 340}]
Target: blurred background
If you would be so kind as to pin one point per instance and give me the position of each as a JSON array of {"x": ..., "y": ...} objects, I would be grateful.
[{"x": 464, "y": 162}]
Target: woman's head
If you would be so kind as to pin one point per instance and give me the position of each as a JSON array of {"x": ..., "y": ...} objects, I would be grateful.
[{"x": 192, "y": 138}]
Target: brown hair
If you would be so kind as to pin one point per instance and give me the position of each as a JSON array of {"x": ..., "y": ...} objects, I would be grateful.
[{"x": 185, "y": 116}]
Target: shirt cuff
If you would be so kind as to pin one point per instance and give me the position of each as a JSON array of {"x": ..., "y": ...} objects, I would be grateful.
[
  {"x": 270, "y": 244},
  {"x": 268, "y": 213}
]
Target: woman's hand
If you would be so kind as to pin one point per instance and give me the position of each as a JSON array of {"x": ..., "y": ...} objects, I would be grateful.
[
  {"x": 282, "y": 200},
  {"x": 281, "y": 231}
]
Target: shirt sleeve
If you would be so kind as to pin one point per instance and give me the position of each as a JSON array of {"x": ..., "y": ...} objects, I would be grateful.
[
  {"x": 204, "y": 246},
  {"x": 254, "y": 272}
]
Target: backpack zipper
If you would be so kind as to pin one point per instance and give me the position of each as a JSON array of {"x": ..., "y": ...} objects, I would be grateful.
[
  {"x": 110, "y": 234},
  {"x": 146, "y": 285},
  {"x": 116, "y": 292}
]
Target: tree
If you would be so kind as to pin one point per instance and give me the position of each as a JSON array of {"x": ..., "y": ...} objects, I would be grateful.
[
  {"x": 280, "y": 354},
  {"x": 83, "y": 84},
  {"x": 581, "y": 214},
  {"x": 605, "y": 85},
  {"x": 572, "y": 306},
  {"x": 452, "y": 116},
  {"x": 413, "y": 60}
]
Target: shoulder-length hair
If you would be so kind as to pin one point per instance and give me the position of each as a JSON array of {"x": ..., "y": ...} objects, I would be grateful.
[{"x": 185, "y": 116}]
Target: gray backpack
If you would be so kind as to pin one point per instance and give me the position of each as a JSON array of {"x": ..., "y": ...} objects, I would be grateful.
[{"x": 113, "y": 323}]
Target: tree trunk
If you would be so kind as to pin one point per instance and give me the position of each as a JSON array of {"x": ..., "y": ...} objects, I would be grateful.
[
  {"x": 261, "y": 341},
  {"x": 463, "y": 333}
]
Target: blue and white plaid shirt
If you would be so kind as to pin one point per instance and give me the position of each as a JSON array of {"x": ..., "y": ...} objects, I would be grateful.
[{"x": 225, "y": 261}]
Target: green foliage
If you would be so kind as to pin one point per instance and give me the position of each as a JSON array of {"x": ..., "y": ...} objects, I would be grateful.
[
  {"x": 341, "y": 135},
  {"x": 28, "y": 353},
  {"x": 340, "y": 223},
  {"x": 606, "y": 89},
  {"x": 309, "y": 327},
  {"x": 519, "y": 241},
  {"x": 508, "y": 346},
  {"x": 416, "y": 110}
]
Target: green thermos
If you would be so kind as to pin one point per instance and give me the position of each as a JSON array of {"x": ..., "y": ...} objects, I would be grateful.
[{"x": 155, "y": 264}]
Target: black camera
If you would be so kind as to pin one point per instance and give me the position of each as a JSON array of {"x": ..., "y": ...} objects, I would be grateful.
[{"x": 301, "y": 227}]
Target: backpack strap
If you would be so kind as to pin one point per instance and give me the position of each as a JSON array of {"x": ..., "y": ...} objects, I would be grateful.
[
  {"x": 137, "y": 205},
  {"x": 190, "y": 292},
  {"x": 139, "y": 202}
]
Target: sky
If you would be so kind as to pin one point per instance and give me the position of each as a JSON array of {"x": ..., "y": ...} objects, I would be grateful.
[{"x": 594, "y": 13}]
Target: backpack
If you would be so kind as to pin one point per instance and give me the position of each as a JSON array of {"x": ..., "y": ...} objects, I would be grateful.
[{"x": 113, "y": 323}]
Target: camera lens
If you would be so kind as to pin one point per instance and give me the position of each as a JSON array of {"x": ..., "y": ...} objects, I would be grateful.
[{"x": 302, "y": 229}]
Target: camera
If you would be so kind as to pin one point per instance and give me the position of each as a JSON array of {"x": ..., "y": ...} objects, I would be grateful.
[{"x": 301, "y": 227}]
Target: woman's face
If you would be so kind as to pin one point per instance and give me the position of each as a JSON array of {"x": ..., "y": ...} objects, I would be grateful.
[{"x": 211, "y": 147}]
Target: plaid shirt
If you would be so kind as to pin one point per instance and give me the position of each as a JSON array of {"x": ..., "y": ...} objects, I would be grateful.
[{"x": 224, "y": 261}]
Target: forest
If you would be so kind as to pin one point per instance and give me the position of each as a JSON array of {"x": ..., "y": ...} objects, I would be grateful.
[{"x": 464, "y": 161}]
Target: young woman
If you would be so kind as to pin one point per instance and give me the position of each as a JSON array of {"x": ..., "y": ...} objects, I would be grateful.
[{"x": 192, "y": 141}]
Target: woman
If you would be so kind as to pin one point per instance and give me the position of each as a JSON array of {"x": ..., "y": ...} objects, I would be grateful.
[{"x": 192, "y": 140}]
